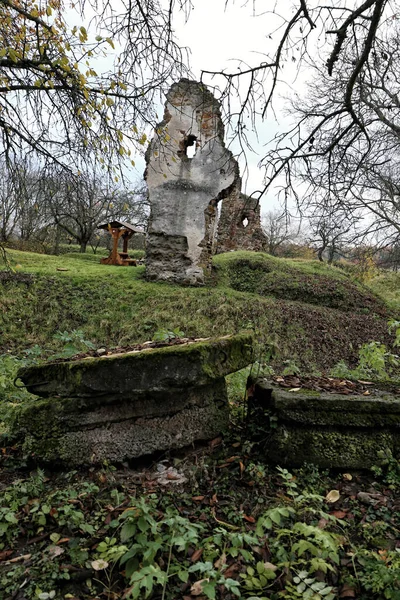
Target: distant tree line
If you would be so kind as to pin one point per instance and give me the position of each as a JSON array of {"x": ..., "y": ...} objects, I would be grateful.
[{"x": 49, "y": 205}]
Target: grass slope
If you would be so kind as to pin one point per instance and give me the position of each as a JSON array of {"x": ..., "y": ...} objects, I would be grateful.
[{"x": 316, "y": 315}]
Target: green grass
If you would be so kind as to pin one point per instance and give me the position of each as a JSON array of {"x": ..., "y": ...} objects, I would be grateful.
[
  {"x": 387, "y": 286},
  {"x": 307, "y": 281},
  {"x": 115, "y": 306}
]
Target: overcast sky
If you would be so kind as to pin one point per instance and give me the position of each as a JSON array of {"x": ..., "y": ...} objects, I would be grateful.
[{"x": 217, "y": 38}]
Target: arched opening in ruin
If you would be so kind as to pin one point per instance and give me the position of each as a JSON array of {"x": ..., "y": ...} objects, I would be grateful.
[{"x": 245, "y": 222}]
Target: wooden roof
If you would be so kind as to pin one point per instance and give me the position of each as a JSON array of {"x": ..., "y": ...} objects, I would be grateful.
[{"x": 120, "y": 224}]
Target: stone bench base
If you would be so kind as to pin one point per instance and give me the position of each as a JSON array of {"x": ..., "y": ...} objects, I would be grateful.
[
  {"x": 328, "y": 430},
  {"x": 127, "y": 405},
  {"x": 77, "y": 432}
]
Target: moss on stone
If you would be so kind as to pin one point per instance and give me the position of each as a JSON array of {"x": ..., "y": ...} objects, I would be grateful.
[
  {"x": 325, "y": 448},
  {"x": 196, "y": 363}
]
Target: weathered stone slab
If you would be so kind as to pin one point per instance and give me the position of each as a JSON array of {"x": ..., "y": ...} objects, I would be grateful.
[
  {"x": 123, "y": 406},
  {"x": 185, "y": 188},
  {"x": 73, "y": 431},
  {"x": 184, "y": 365},
  {"x": 329, "y": 430}
]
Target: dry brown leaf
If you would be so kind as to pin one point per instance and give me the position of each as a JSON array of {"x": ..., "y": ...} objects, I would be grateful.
[
  {"x": 198, "y": 498},
  {"x": 339, "y": 514},
  {"x": 231, "y": 459},
  {"x": 63, "y": 541},
  {"x": 249, "y": 519},
  {"x": 215, "y": 442},
  {"x": 270, "y": 566},
  {"x": 221, "y": 561},
  {"x": 347, "y": 476},
  {"x": 322, "y": 523},
  {"x": 196, "y": 555},
  {"x": 197, "y": 587},
  {"x": 347, "y": 592}
]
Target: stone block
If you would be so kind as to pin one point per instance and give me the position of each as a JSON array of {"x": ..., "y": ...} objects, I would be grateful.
[
  {"x": 123, "y": 406},
  {"x": 328, "y": 430}
]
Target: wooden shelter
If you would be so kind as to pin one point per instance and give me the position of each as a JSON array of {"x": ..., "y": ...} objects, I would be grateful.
[{"x": 118, "y": 229}]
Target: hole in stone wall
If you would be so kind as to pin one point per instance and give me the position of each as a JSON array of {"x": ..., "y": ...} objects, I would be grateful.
[
  {"x": 190, "y": 146},
  {"x": 245, "y": 222}
]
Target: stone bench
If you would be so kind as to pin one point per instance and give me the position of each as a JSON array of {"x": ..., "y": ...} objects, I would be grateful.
[
  {"x": 328, "y": 430},
  {"x": 122, "y": 406}
]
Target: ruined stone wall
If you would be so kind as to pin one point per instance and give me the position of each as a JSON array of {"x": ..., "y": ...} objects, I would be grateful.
[
  {"x": 239, "y": 226},
  {"x": 188, "y": 171}
]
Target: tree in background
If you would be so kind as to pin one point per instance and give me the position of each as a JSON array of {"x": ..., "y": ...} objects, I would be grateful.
[
  {"x": 53, "y": 102},
  {"x": 278, "y": 230},
  {"x": 349, "y": 155}
]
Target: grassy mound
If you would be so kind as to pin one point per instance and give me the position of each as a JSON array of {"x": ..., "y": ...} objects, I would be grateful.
[
  {"x": 310, "y": 281},
  {"x": 115, "y": 306}
]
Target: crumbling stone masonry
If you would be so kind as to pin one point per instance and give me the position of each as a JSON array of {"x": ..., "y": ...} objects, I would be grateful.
[
  {"x": 121, "y": 406},
  {"x": 188, "y": 172},
  {"x": 239, "y": 226}
]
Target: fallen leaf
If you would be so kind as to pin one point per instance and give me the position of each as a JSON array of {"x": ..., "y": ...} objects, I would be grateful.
[
  {"x": 236, "y": 444},
  {"x": 322, "y": 523},
  {"x": 231, "y": 459},
  {"x": 221, "y": 561},
  {"x": 270, "y": 566},
  {"x": 366, "y": 393},
  {"x": 249, "y": 519},
  {"x": 365, "y": 382},
  {"x": 198, "y": 498},
  {"x": 347, "y": 592},
  {"x": 5, "y": 554},
  {"x": 242, "y": 467},
  {"x": 215, "y": 442},
  {"x": 332, "y": 496},
  {"x": 196, "y": 555},
  {"x": 55, "y": 551},
  {"x": 372, "y": 499},
  {"x": 339, "y": 514},
  {"x": 295, "y": 389},
  {"x": 232, "y": 569},
  {"x": 347, "y": 476},
  {"x": 21, "y": 558},
  {"x": 197, "y": 587}
]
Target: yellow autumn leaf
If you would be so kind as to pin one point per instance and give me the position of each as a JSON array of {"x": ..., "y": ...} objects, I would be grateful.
[{"x": 332, "y": 496}]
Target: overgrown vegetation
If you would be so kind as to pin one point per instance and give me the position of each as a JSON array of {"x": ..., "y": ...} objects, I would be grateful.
[
  {"x": 115, "y": 306},
  {"x": 234, "y": 529},
  {"x": 225, "y": 525}
]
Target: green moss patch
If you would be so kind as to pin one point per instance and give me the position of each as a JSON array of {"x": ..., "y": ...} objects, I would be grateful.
[{"x": 305, "y": 281}]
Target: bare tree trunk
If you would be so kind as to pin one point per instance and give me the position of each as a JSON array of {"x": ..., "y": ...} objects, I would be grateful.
[{"x": 83, "y": 245}]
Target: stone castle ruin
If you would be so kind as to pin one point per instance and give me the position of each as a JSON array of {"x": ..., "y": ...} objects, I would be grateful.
[
  {"x": 189, "y": 171},
  {"x": 239, "y": 226}
]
